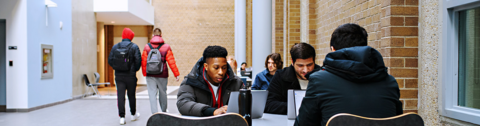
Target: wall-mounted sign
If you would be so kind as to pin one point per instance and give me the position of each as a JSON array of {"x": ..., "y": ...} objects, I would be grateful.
[{"x": 12, "y": 47}]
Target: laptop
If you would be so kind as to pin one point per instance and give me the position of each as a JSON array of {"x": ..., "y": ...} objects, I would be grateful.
[
  {"x": 294, "y": 102},
  {"x": 259, "y": 99}
]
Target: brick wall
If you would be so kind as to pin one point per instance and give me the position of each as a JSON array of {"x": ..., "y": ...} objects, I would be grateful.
[
  {"x": 312, "y": 26},
  {"x": 392, "y": 29},
  {"x": 190, "y": 26},
  {"x": 279, "y": 27},
  {"x": 399, "y": 45},
  {"x": 293, "y": 26},
  {"x": 249, "y": 34}
]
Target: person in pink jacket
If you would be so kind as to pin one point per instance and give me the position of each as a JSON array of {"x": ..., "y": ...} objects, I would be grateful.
[{"x": 157, "y": 83}]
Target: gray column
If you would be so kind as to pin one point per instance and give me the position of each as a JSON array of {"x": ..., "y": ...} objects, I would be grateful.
[
  {"x": 304, "y": 8},
  {"x": 240, "y": 31},
  {"x": 261, "y": 34}
]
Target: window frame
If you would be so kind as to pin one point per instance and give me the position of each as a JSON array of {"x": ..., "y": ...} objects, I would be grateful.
[{"x": 449, "y": 59}]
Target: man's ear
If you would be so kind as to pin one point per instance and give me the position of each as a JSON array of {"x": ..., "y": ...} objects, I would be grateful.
[
  {"x": 291, "y": 60},
  {"x": 205, "y": 65},
  {"x": 333, "y": 49}
]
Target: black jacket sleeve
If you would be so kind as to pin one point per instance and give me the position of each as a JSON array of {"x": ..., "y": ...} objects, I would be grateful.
[
  {"x": 110, "y": 56},
  {"x": 276, "y": 102},
  {"x": 138, "y": 57}
]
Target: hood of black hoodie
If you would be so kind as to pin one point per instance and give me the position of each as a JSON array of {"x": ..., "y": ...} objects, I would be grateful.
[
  {"x": 357, "y": 64},
  {"x": 195, "y": 77}
]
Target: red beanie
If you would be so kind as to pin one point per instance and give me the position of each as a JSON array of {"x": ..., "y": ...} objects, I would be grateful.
[{"x": 127, "y": 34}]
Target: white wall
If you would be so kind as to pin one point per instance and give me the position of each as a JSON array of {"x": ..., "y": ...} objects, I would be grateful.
[
  {"x": 15, "y": 13},
  {"x": 110, "y": 5},
  {"x": 141, "y": 9},
  {"x": 140, "y": 41}
]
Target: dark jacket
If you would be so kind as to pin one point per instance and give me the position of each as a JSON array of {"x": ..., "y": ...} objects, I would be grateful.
[
  {"x": 283, "y": 80},
  {"x": 262, "y": 80},
  {"x": 134, "y": 51},
  {"x": 194, "y": 96},
  {"x": 355, "y": 81}
]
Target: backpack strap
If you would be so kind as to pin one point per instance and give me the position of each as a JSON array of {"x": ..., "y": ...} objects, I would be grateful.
[
  {"x": 150, "y": 45},
  {"x": 160, "y": 46},
  {"x": 129, "y": 45}
]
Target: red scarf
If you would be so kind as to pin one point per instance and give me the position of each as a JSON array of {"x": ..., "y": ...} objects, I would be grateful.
[{"x": 219, "y": 103}]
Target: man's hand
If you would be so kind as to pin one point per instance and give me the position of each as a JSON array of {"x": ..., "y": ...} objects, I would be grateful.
[
  {"x": 177, "y": 78},
  {"x": 221, "y": 110}
]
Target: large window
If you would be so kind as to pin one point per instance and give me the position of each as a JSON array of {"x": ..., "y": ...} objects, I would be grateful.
[
  {"x": 469, "y": 58},
  {"x": 460, "y": 60}
]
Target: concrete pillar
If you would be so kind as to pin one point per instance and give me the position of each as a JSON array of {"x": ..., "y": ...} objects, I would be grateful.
[
  {"x": 240, "y": 31},
  {"x": 304, "y": 8},
  {"x": 261, "y": 34}
]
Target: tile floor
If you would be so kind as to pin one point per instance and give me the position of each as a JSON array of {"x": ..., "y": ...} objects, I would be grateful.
[{"x": 90, "y": 111}]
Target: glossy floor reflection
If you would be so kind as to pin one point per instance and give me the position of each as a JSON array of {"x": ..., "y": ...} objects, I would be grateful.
[{"x": 84, "y": 112}]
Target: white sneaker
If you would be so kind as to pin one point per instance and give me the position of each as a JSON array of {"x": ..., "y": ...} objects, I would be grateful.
[
  {"x": 122, "y": 121},
  {"x": 135, "y": 117}
]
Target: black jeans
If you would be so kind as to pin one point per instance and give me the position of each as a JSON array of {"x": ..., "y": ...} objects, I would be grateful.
[{"x": 128, "y": 83}]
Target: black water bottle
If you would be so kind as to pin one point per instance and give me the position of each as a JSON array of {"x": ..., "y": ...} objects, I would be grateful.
[{"x": 245, "y": 104}]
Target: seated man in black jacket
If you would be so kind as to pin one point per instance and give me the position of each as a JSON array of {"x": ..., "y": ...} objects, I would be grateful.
[
  {"x": 355, "y": 81},
  {"x": 205, "y": 91},
  {"x": 293, "y": 77}
]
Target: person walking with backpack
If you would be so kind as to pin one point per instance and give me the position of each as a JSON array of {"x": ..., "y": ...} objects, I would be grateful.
[
  {"x": 154, "y": 57},
  {"x": 125, "y": 59}
]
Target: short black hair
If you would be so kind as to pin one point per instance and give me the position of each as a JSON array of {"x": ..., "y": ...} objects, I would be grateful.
[
  {"x": 349, "y": 35},
  {"x": 243, "y": 63},
  {"x": 302, "y": 51},
  {"x": 214, "y": 51}
]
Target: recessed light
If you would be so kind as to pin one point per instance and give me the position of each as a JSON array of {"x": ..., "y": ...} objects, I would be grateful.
[{"x": 112, "y": 22}]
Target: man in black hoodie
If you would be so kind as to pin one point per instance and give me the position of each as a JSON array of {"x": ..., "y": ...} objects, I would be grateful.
[
  {"x": 125, "y": 75},
  {"x": 355, "y": 81}
]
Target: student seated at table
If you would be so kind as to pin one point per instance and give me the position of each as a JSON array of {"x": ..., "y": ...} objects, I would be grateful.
[
  {"x": 272, "y": 63},
  {"x": 293, "y": 77},
  {"x": 206, "y": 89},
  {"x": 355, "y": 81}
]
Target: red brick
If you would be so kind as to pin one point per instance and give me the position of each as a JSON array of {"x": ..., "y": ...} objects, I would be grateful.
[
  {"x": 411, "y": 83},
  {"x": 400, "y": 72},
  {"x": 396, "y": 21},
  {"x": 400, "y": 83},
  {"x": 404, "y": 31},
  {"x": 408, "y": 93},
  {"x": 411, "y": 21},
  {"x": 396, "y": 10},
  {"x": 393, "y": 62},
  {"x": 396, "y": 2},
  {"x": 402, "y": 52},
  {"x": 411, "y": 42},
  {"x": 411, "y": 2},
  {"x": 411, "y": 62},
  {"x": 411, "y": 104}
]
